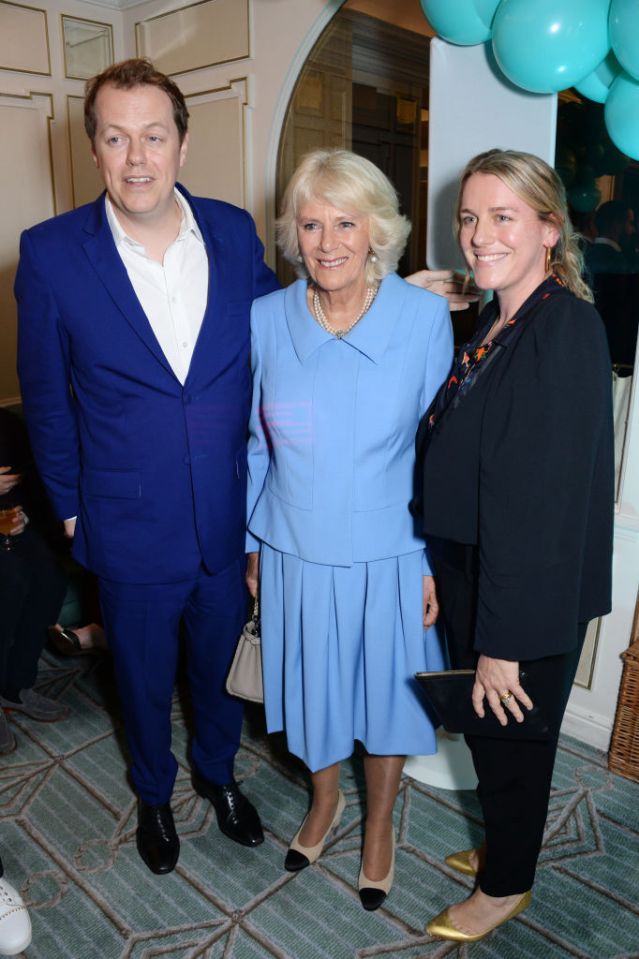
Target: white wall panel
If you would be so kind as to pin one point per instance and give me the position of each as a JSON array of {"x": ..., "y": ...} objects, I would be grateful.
[
  {"x": 195, "y": 36},
  {"x": 216, "y": 161},
  {"x": 471, "y": 110},
  {"x": 86, "y": 182},
  {"x": 24, "y": 41},
  {"x": 24, "y": 122}
]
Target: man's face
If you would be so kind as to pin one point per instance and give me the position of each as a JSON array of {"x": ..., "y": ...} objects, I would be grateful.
[{"x": 138, "y": 152}]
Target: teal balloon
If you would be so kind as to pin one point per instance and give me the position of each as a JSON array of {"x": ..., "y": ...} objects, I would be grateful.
[
  {"x": 486, "y": 10},
  {"x": 549, "y": 45},
  {"x": 624, "y": 34},
  {"x": 622, "y": 115},
  {"x": 584, "y": 197},
  {"x": 596, "y": 86},
  {"x": 464, "y": 22}
]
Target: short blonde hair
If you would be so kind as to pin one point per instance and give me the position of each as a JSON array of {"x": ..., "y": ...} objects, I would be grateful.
[
  {"x": 538, "y": 185},
  {"x": 351, "y": 182}
]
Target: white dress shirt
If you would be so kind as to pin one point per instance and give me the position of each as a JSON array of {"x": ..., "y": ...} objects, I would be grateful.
[{"x": 173, "y": 293}]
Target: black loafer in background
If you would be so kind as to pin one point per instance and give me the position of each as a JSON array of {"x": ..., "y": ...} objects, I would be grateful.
[
  {"x": 156, "y": 838},
  {"x": 236, "y": 816}
]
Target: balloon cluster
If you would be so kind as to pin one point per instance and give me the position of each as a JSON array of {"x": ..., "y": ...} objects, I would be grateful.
[{"x": 548, "y": 45}]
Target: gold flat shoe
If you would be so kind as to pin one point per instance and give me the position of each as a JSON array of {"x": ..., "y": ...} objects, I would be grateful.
[
  {"x": 461, "y": 861},
  {"x": 441, "y": 926},
  {"x": 299, "y": 856}
]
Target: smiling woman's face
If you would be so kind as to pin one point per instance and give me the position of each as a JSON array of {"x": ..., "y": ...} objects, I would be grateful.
[
  {"x": 502, "y": 238},
  {"x": 334, "y": 244}
]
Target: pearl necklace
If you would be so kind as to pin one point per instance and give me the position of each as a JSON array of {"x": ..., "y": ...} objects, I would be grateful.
[{"x": 320, "y": 316}]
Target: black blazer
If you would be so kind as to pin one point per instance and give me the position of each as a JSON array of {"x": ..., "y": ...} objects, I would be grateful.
[{"x": 523, "y": 466}]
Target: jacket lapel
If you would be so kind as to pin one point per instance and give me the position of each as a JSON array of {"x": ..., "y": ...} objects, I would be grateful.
[
  {"x": 208, "y": 344},
  {"x": 105, "y": 259},
  {"x": 225, "y": 326}
]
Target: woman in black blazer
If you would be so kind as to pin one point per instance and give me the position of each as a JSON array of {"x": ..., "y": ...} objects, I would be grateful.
[{"x": 515, "y": 487}]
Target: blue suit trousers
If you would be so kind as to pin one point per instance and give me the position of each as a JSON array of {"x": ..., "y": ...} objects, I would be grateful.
[{"x": 143, "y": 623}]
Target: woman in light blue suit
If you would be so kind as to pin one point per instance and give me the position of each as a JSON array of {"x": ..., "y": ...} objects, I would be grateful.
[{"x": 345, "y": 361}]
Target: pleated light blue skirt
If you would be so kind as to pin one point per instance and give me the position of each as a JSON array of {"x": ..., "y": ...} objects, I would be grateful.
[{"x": 340, "y": 647}]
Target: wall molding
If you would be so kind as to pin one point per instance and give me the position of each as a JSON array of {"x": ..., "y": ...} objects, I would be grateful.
[
  {"x": 24, "y": 33},
  {"x": 43, "y": 103},
  {"x": 587, "y": 727},
  {"x": 214, "y": 37},
  {"x": 235, "y": 93}
]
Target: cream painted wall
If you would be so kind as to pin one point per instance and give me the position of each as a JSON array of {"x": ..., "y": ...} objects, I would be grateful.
[
  {"x": 281, "y": 33},
  {"x": 35, "y": 164},
  {"x": 408, "y": 14}
]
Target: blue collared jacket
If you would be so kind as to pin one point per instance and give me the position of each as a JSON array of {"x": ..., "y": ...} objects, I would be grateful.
[{"x": 332, "y": 430}]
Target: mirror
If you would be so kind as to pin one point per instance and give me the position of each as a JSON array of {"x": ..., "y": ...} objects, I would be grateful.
[
  {"x": 88, "y": 47},
  {"x": 364, "y": 87},
  {"x": 602, "y": 186}
]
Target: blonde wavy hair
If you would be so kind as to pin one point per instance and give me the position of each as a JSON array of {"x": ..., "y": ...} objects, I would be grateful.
[
  {"x": 351, "y": 182},
  {"x": 538, "y": 185}
]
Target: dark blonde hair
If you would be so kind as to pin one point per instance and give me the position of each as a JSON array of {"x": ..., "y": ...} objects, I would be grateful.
[
  {"x": 539, "y": 186},
  {"x": 352, "y": 182},
  {"x": 125, "y": 75}
]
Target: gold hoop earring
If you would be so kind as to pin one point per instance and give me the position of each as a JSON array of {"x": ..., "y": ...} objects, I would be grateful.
[{"x": 548, "y": 260}]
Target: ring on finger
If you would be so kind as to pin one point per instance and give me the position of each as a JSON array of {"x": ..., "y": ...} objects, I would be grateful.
[{"x": 505, "y": 697}]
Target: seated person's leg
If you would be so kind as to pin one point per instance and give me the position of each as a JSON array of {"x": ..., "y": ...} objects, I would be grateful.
[{"x": 39, "y": 583}]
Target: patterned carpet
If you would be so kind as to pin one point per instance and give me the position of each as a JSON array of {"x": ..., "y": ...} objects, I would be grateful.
[{"x": 68, "y": 844}]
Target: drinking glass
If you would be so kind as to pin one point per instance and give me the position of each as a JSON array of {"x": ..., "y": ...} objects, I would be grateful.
[{"x": 7, "y": 519}]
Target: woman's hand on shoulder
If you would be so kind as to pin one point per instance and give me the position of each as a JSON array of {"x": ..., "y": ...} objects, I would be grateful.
[
  {"x": 453, "y": 286},
  {"x": 497, "y": 681}
]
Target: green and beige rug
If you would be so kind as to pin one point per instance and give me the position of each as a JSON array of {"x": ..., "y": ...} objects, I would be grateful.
[{"x": 68, "y": 844}]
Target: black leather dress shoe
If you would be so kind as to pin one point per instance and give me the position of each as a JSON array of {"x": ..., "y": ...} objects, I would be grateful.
[
  {"x": 236, "y": 816},
  {"x": 156, "y": 838}
]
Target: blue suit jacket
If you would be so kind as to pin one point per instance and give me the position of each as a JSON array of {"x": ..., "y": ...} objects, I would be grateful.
[
  {"x": 155, "y": 471},
  {"x": 332, "y": 429}
]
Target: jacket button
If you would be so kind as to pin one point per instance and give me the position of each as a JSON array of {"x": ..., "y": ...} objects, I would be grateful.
[{"x": 187, "y": 398}]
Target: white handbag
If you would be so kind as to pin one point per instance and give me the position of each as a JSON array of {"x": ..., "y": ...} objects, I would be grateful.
[{"x": 245, "y": 675}]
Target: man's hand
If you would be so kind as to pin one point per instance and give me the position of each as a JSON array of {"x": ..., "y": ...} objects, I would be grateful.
[
  {"x": 431, "y": 605},
  {"x": 458, "y": 290},
  {"x": 69, "y": 527},
  {"x": 8, "y": 479},
  {"x": 252, "y": 573}
]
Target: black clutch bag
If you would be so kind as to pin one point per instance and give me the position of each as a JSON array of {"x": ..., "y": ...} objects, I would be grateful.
[{"x": 449, "y": 695}]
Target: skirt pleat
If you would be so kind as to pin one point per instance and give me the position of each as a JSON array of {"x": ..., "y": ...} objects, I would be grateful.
[{"x": 340, "y": 648}]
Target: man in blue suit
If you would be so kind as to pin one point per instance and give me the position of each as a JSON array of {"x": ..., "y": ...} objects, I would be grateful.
[{"x": 133, "y": 362}]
